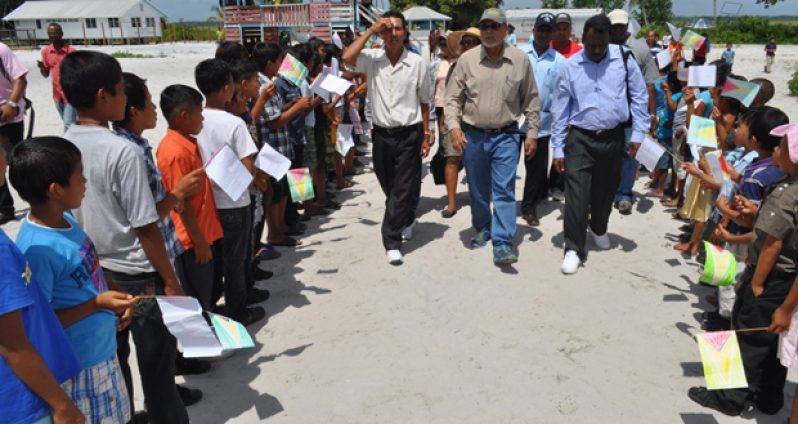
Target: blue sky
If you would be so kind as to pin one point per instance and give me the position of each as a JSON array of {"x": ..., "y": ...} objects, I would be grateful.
[{"x": 200, "y": 10}]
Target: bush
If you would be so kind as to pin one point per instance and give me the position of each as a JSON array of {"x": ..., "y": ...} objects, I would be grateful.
[
  {"x": 743, "y": 30},
  {"x": 793, "y": 84}
]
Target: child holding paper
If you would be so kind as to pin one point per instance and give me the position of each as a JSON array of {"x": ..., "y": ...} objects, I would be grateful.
[
  {"x": 767, "y": 294},
  {"x": 120, "y": 216},
  {"x": 221, "y": 128},
  {"x": 47, "y": 173}
]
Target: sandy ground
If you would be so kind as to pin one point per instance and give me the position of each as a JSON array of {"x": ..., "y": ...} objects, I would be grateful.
[{"x": 448, "y": 337}]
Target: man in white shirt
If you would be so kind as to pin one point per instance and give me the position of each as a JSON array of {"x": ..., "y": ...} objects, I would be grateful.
[{"x": 398, "y": 90}]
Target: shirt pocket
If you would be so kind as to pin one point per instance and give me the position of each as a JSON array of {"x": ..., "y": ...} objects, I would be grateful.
[{"x": 510, "y": 89}]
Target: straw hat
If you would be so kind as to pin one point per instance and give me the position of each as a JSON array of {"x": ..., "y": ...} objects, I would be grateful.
[{"x": 453, "y": 40}]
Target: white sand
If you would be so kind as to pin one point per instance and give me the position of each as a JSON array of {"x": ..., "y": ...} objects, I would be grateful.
[{"x": 448, "y": 337}]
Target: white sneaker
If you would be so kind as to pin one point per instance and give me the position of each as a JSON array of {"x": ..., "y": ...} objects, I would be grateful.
[
  {"x": 407, "y": 233},
  {"x": 601, "y": 241},
  {"x": 394, "y": 257},
  {"x": 571, "y": 262}
]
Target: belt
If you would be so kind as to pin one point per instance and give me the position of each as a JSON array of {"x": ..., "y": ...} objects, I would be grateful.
[
  {"x": 599, "y": 134},
  {"x": 396, "y": 130},
  {"x": 490, "y": 131}
]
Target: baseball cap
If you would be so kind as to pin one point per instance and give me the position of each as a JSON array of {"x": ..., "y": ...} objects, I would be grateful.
[
  {"x": 562, "y": 17},
  {"x": 495, "y": 15},
  {"x": 618, "y": 17},
  {"x": 545, "y": 19}
]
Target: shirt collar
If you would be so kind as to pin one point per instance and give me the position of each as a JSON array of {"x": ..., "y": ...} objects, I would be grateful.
[
  {"x": 612, "y": 54},
  {"x": 402, "y": 57},
  {"x": 549, "y": 52},
  {"x": 187, "y": 141},
  {"x": 483, "y": 55},
  {"x": 138, "y": 140}
]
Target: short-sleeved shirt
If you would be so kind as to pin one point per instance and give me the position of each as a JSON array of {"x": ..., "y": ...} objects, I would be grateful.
[
  {"x": 770, "y": 49},
  {"x": 220, "y": 128},
  {"x": 11, "y": 71},
  {"x": 296, "y": 126},
  {"x": 757, "y": 177},
  {"x": 51, "y": 58},
  {"x": 279, "y": 138},
  {"x": 178, "y": 155},
  {"x": 167, "y": 227},
  {"x": 310, "y": 117},
  {"x": 66, "y": 266},
  {"x": 728, "y": 56},
  {"x": 778, "y": 218},
  {"x": 20, "y": 291},
  {"x": 571, "y": 49},
  {"x": 664, "y": 113},
  {"x": 117, "y": 200},
  {"x": 395, "y": 91}
]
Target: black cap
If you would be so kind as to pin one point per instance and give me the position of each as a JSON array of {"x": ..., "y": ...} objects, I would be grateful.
[
  {"x": 545, "y": 19},
  {"x": 563, "y": 17}
]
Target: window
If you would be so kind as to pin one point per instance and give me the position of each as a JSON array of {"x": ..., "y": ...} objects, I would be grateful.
[
  {"x": 113, "y": 22},
  {"x": 135, "y": 22},
  {"x": 91, "y": 23},
  {"x": 38, "y": 24},
  {"x": 150, "y": 22}
]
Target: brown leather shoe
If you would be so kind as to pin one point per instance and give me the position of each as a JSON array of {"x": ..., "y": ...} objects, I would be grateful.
[{"x": 531, "y": 219}]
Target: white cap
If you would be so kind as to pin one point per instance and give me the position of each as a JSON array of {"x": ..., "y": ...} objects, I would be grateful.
[{"x": 618, "y": 17}]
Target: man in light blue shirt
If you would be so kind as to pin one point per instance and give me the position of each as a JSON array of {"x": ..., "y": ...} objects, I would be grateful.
[
  {"x": 589, "y": 108},
  {"x": 546, "y": 63}
]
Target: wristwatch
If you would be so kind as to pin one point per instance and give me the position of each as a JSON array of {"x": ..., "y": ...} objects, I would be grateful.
[{"x": 13, "y": 104}]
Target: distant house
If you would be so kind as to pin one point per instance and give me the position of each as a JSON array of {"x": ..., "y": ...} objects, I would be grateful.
[{"x": 89, "y": 20}]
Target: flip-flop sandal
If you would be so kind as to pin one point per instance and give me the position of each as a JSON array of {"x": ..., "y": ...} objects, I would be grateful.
[
  {"x": 287, "y": 242},
  {"x": 446, "y": 213},
  {"x": 346, "y": 184}
]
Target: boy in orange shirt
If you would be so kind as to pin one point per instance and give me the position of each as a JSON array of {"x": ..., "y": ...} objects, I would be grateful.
[{"x": 197, "y": 224}]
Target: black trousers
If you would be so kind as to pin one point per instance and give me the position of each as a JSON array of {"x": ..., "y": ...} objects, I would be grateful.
[
  {"x": 10, "y": 136},
  {"x": 199, "y": 280},
  {"x": 592, "y": 175},
  {"x": 536, "y": 182},
  {"x": 758, "y": 349},
  {"x": 156, "y": 349},
  {"x": 397, "y": 163}
]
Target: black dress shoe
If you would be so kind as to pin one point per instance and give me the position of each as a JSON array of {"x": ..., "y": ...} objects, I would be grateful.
[
  {"x": 257, "y": 295},
  {"x": 252, "y": 315},
  {"x": 263, "y": 274},
  {"x": 189, "y": 396},
  {"x": 140, "y": 417},
  {"x": 710, "y": 399},
  {"x": 191, "y": 366},
  {"x": 531, "y": 219}
]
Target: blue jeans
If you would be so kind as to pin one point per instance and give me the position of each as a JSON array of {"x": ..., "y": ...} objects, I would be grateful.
[
  {"x": 491, "y": 161},
  {"x": 68, "y": 113},
  {"x": 628, "y": 171}
]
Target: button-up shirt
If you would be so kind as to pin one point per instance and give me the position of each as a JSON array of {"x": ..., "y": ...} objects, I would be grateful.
[
  {"x": 592, "y": 96},
  {"x": 490, "y": 95},
  {"x": 167, "y": 227},
  {"x": 545, "y": 67},
  {"x": 395, "y": 92},
  {"x": 51, "y": 58}
]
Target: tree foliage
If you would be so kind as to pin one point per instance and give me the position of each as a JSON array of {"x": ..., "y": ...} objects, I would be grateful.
[
  {"x": 464, "y": 13},
  {"x": 606, "y": 5},
  {"x": 652, "y": 12},
  {"x": 554, "y": 4}
]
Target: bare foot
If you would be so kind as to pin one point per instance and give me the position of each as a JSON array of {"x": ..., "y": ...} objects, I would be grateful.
[{"x": 682, "y": 247}]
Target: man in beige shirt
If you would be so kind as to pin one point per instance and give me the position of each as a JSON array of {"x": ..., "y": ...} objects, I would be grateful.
[
  {"x": 399, "y": 89},
  {"x": 490, "y": 98}
]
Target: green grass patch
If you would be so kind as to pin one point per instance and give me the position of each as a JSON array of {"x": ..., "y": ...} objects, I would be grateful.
[{"x": 128, "y": 55}]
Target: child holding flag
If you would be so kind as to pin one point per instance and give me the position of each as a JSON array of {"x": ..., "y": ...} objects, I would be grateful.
[{"x": 764, "y": 289}]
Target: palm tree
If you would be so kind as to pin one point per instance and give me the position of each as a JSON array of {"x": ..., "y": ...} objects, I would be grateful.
[
  {"x": 218, "y": 14},
  {"x": 642, "y": 5}
]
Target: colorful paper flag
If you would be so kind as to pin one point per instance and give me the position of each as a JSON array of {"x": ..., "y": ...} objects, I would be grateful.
[
  {"x": 293, "y": 70},
  {"x": 720, "y": 266},
  {"x": 693, "y": 40},
  {"x": 743, "y": 91},
  {"x": 702, "y": 132},
  {"x": 300, "y": 184},
  {"x": 720, "y": 355},
  {"x": 231, "y": 334}
]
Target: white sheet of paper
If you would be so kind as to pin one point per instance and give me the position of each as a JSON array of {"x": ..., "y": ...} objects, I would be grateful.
[
  {"x": 264, "y": 86},
  {"x": 664, "y": 58},
  {"x": 713, "y": 160},
  {"x": 521, "y": 121},
  {"x": 649, "y": 153},
  {"x": 694, "y": 150},
  {"x": 634, "y": 27},
  {"x": 335, "y": 84},
  {"x": 182, "y": 315},
  {"x": 336, "y": 67},
  {"x": 701, "y": 76},
  {"x": 336, "y": 39},
  {"x": 316, "y": 86},
  {"x": 228, "y": 173},
  {"x": 272, "y": 162},
  {"x": 675, "y": 32},
  {"x": 344, "y": 137}
]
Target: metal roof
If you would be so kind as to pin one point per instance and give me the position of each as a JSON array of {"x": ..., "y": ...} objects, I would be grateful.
[
  {"x": 423, "y": 13},
  {"x": 533, "y": 13},
  {"x": 61, "y": 9}
]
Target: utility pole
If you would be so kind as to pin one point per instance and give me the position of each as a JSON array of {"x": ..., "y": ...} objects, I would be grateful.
[{"x": 714, "y": 12}]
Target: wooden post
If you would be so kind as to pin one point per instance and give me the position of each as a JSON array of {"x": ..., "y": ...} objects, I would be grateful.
[
  {"x": 121, "y": 33},
  {"x": 83, "y": 26},
  {"x": 102, "y": 26}
]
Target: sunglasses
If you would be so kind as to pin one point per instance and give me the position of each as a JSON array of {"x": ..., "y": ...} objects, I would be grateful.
[
  {"x": 489, "y": 25},
  {"x": 469, "y": 42}
]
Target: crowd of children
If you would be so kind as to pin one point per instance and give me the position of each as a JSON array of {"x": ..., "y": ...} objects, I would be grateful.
[{"x": 113, "y": 223}]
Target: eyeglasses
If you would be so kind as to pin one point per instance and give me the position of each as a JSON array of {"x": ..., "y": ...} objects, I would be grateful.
[
  {"x": 469, "y": 42},
  {"x": 489, "y": 25}
]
